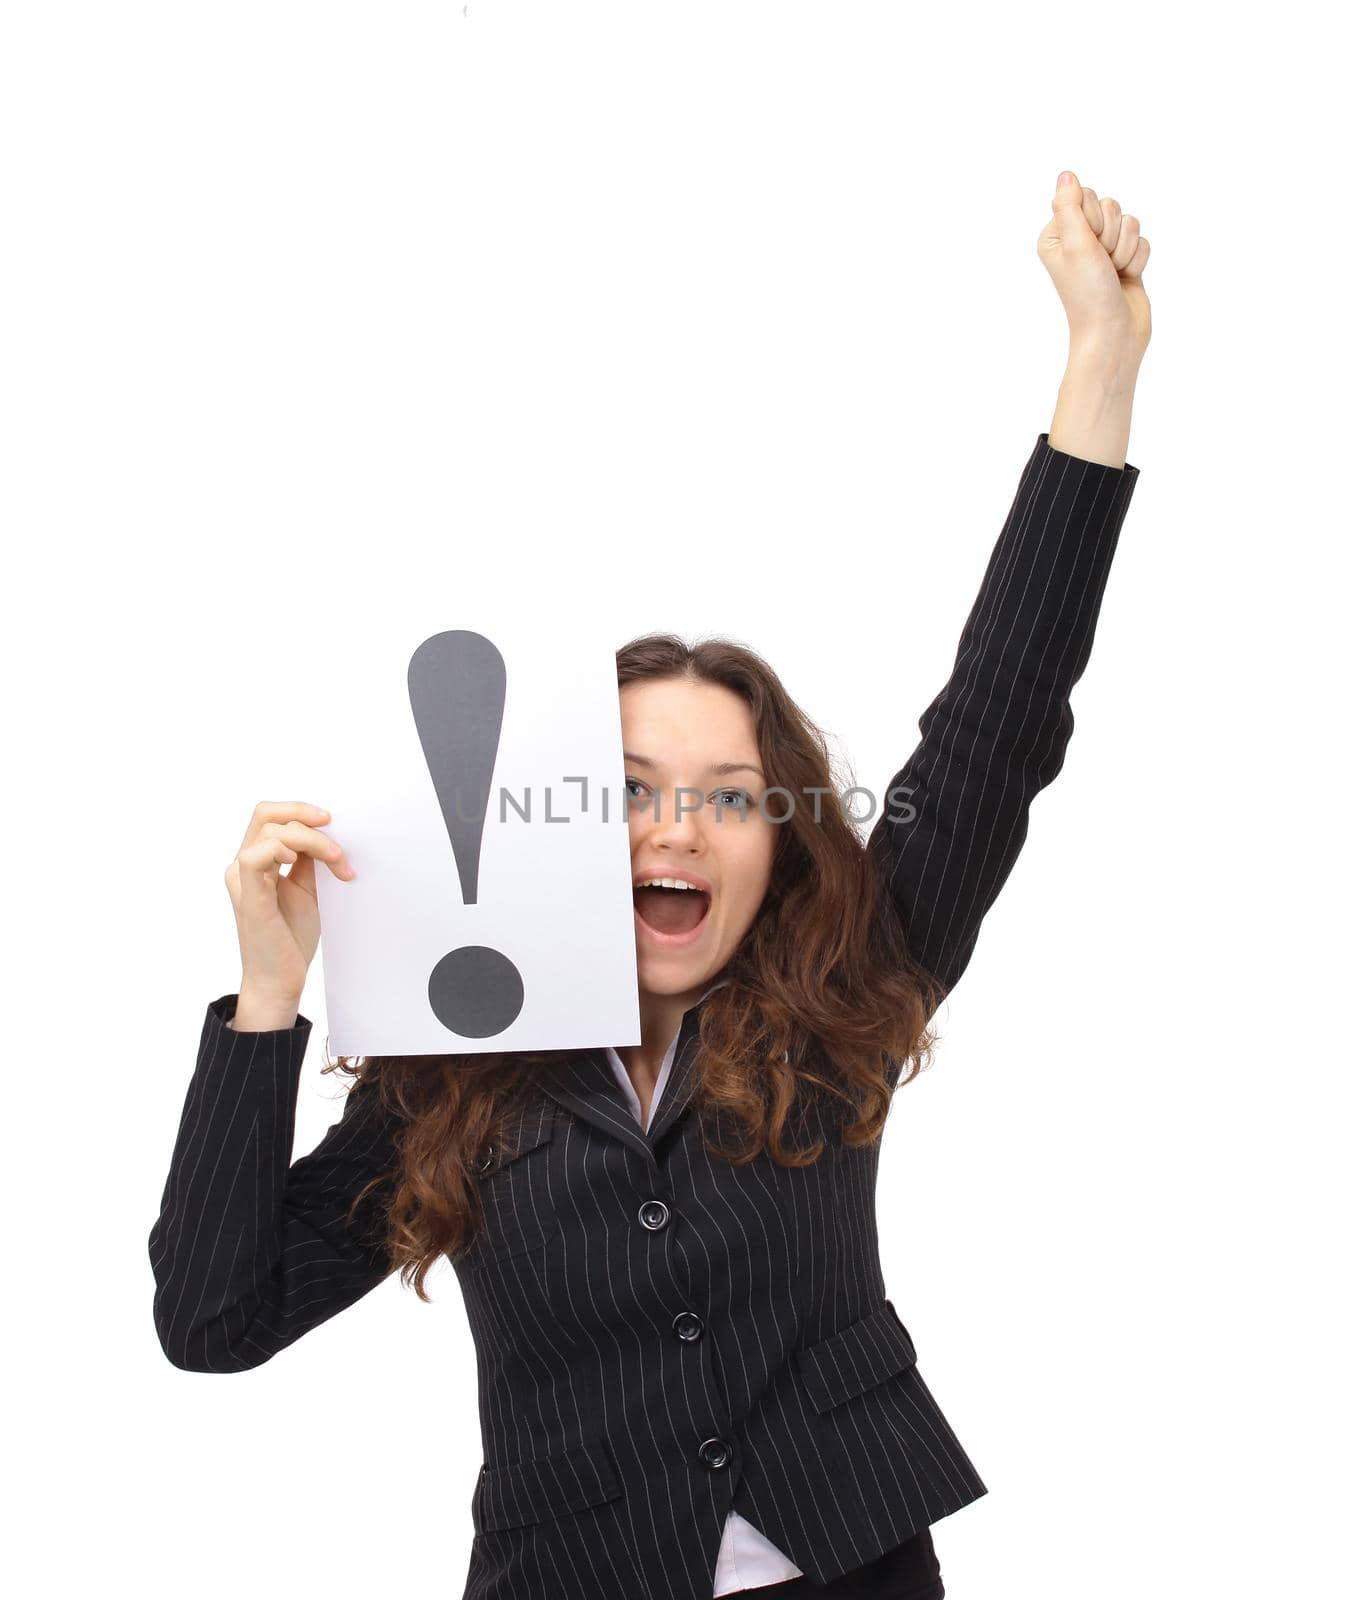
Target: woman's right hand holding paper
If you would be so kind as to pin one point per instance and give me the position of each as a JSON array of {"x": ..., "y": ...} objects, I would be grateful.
[{"x": 278, "y": 926}]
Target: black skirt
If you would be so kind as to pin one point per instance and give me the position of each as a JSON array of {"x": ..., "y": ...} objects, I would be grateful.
[{"x": 908, "y": 1572}]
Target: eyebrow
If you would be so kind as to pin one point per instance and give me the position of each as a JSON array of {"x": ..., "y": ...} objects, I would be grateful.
[{"x": 722, "y": 768}]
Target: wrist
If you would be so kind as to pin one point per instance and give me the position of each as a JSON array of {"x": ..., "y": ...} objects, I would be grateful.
[
  {"x": 262, "y": 1010},
  {"x": 1093, "y": 417},
  {"x": 1103, "y": 363}
]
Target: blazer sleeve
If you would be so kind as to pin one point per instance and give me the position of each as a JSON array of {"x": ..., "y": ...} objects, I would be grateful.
[
  {"x": 956, "y": 813},
  {"x": 249, "y": 1252}
]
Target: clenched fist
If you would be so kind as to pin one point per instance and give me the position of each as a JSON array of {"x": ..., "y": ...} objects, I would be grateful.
[{"x": 1095, "y": 255}]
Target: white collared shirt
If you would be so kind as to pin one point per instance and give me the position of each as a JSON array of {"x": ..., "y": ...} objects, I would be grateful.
[{"x": 747, "y": 1559}]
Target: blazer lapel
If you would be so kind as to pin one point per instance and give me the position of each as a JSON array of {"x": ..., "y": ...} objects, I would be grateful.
[
  {"x": 682, "y": 1078},
  {"x": 586, "y": 1086}
]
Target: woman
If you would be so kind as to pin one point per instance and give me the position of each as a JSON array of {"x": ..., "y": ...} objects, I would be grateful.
[{"x": 691, "y": 1382}]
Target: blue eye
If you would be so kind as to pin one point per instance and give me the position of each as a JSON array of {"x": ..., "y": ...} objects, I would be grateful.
[{"x": 745, "y": 799}]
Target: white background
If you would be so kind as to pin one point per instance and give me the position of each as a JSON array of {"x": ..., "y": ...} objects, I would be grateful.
[{"x": 722, "y": 318}]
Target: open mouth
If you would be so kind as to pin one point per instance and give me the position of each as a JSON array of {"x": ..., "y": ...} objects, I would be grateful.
[{"x": 671, "y": 914}]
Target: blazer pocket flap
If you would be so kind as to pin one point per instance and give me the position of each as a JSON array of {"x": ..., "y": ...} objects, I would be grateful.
[
  {"x": 855, "y": 1359},
  {"x": 536, "y": 1490},
  {"x": 518, "y": 1212},
  {"x": 527, "y": 1133}
]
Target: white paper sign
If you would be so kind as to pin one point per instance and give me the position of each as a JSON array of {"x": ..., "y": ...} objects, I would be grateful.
[{"x": 478, "y": 789}]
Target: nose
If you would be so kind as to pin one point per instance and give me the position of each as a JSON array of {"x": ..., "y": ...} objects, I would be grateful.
[{"x": 678, "y": 824}]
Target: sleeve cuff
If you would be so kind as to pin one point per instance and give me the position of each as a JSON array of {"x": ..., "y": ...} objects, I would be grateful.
[
  {"x": 222, "y": 1010},
  {"x": 1126, "y": 471}
]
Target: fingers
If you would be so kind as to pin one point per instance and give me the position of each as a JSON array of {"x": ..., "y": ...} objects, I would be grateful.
[
  {"x": 1129, "y": 237},
  {"x": 1068, "y": 223},
  {"x": 303, "y": 840},
  {"x": 1116, "y": 230},
  {"x": 265, "y": 855},
  {"x": 275, "y": 838},
  {"x": 1103, "y": 216},
  {"x": 252, "y": 873},
  {"x": 283, "y": 811},
  {"x": 1110, "y": 215},
  {"x": 1137, "y": 265}
]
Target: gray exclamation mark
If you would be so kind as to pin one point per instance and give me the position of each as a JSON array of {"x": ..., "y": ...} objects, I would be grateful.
[{"x": 457, "y": 684}]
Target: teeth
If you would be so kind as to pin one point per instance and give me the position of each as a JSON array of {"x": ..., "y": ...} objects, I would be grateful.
[{"x": 667, "y": 883}]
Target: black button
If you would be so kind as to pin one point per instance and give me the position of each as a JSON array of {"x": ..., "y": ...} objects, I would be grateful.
[
  {"x": 485, "y": 1161},
  {"x": 687, "y": 1325},
  {"x": 654, "y": 1214},
  {"x": 716, "y": 1453}
]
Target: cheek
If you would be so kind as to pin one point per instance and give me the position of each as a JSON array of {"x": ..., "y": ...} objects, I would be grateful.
[{"x": 749, "y": 869}]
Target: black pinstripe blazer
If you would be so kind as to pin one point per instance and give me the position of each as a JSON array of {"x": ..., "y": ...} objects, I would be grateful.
[{"x": 660, "y": 1336}]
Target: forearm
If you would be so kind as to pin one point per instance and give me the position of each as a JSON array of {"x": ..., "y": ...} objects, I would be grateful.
[
  {"x": 1093, "y": 417},
  {"x": 956, "y": 813},
  {"x": 249, "y": 1252}
]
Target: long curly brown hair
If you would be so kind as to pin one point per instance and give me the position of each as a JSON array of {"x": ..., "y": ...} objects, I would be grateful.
[{"x": 823, "y": 994}]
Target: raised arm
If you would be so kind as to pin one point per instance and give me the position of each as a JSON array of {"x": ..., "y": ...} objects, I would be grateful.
[
  {"x": 956, "y": 813},
  {"x": 249, "y": 1252}
]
